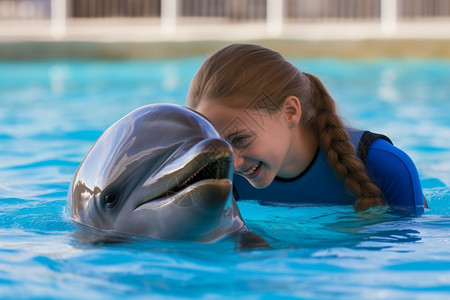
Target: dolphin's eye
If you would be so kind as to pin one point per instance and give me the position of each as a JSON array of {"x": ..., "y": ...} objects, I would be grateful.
[{"x": 111, "y": 199}]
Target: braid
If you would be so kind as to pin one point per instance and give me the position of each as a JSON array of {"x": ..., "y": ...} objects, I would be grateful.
[{"x": 334, "y": 140}]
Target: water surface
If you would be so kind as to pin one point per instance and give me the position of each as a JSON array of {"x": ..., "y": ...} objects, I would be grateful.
[{"x": 51, "y": 113}]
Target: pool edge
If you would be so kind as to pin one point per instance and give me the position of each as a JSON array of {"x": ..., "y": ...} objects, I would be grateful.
[{"x": 120, "y": 50}]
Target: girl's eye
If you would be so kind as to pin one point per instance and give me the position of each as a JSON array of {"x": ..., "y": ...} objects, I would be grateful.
[{"x": 239, "y": 141}]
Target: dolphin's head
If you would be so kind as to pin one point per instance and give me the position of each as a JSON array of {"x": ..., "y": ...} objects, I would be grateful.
[{"x": 161, "y": 171}]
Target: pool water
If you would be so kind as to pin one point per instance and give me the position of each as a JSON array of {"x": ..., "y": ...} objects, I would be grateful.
[{"x": 51, "y": 112}]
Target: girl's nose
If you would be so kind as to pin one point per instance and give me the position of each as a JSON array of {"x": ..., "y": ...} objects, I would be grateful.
[{"x": 238, "y": 160}]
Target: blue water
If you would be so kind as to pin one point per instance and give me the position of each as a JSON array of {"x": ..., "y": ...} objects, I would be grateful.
[{"x": 52, "y": 112}]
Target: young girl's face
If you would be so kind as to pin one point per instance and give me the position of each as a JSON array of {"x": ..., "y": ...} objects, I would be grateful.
[{"x": 261, "y": 141}]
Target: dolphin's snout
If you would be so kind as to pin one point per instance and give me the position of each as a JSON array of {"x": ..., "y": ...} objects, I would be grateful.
[{"x": 209, "y": 159}]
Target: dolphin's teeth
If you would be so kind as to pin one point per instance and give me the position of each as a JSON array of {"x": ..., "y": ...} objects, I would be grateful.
[
  {"x": 211, "y": 167},
  {"x": 217, "y": 157},
  {"x": 192, "y": 176}
]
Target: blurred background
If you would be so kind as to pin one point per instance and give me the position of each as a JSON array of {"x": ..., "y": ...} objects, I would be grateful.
[
  {"x": 143, "y": 28},
  {"x": 71, "y": 68}
]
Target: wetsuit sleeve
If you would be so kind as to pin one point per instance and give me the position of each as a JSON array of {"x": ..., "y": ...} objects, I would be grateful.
[{"x": 395, "y": 174}]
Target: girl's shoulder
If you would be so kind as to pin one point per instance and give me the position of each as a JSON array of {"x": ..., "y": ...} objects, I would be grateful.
[
  {"x": 390, "y": 168},
  {"x": 396, "y": 174}
]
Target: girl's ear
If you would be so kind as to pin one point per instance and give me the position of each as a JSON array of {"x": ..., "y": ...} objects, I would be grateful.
[{"x": 292, "y": 110}]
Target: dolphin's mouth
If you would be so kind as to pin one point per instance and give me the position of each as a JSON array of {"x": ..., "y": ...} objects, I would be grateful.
[
  {"x": 204, "y": 169},
  {"x": 211, "y": 168}
]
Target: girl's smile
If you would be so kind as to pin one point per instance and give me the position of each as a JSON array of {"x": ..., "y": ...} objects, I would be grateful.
[{"x": 251, "y": 172}]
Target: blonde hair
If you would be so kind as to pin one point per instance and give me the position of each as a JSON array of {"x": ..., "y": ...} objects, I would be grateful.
[{"x": 257, "y": 74}]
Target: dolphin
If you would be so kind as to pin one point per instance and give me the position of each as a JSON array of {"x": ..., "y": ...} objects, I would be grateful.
[{"x": 162, "y": 171}]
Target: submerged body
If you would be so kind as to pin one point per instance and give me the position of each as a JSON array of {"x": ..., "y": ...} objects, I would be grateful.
[{"x": 161, "y": 171}]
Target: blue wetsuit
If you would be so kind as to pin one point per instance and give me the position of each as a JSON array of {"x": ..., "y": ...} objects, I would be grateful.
[{"x": 388, "y": 167}]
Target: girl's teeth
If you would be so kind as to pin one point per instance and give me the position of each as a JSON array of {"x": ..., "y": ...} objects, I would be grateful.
[{"x": 250, "y": 172}]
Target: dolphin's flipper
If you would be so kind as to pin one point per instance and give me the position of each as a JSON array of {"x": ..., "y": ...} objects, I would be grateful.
[{"x": 249, "y": 240}]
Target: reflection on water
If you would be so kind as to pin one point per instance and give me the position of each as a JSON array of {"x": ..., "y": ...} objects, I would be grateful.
[{"x": 52, "y": 112}]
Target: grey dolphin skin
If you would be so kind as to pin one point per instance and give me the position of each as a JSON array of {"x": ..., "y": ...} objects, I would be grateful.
[{"x": 161, "y": 171}]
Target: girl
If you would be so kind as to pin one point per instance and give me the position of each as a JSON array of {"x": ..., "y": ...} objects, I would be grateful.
[{"x": 289, "y": 144}]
